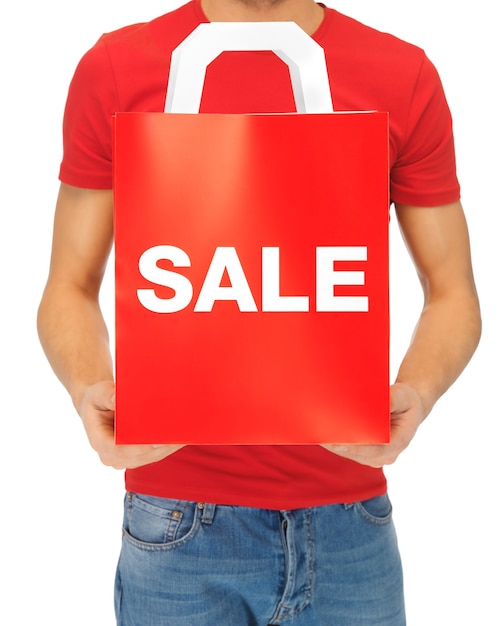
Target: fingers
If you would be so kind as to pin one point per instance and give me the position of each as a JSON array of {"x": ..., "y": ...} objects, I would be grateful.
[
  {"x": 406, "y": 414},
  {"x": 377, "y": 455},
  {"x": 371, "y": 455},
  {"x": 131, "y": 457},
  {"x": 97, "y": 411}
]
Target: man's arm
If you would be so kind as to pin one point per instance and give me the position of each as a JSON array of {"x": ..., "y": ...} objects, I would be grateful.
[
  {"x": 71, "y": 327},
  {"x": 448, "y": 330}
]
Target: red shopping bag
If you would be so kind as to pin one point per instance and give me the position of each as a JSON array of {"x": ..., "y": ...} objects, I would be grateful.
[{"x": 251, "y": 266}]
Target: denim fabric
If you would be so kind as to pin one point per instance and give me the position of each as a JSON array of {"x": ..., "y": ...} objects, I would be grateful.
[{"x": 195, "y": 564}]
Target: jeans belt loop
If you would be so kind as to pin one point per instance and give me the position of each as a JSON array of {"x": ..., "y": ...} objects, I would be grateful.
[{"x": 208, "y": 512}]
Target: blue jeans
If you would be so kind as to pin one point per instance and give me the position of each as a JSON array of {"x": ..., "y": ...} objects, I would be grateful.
[{"x": 194, "y": 564}]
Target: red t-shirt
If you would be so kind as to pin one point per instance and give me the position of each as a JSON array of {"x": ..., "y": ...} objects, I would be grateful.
[{"x": 127, "y": 70}]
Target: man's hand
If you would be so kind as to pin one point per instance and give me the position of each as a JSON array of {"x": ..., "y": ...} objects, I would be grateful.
[
  {"x": 407, "y": 413},
  {"x": 97, "y": 410}
]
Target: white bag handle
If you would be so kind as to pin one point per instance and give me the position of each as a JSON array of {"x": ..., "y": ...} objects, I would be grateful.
[{"x": 304, "y": 57}]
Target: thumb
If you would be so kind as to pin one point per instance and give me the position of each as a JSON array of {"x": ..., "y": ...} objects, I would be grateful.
[
  {"x": 104, "y": 395},
  {"x": 400, "y": 397}
]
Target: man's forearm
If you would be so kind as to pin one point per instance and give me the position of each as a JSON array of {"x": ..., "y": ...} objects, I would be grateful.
[
  {"x": 444, "y": 340},
  {"x": 75, "y": 338}
]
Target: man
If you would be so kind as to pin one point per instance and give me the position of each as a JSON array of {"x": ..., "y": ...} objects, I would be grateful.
[{"x": 260, "y": 535}]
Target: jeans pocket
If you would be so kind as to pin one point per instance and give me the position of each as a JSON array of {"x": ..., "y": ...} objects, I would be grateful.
[
  {"x": 377, "y": 511},
  {"x": 158, "y": 522}
]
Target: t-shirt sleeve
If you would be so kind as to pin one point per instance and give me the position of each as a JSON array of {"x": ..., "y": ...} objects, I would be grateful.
[
  {"x": 87, "y": 134},
  {"x": 424, "y": 173}
]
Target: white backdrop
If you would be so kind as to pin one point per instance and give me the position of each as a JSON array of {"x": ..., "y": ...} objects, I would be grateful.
[{"x": 61, "y": 510}]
